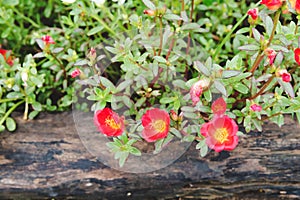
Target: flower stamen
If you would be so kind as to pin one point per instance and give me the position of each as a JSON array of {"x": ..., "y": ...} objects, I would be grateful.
[
  {"x": 221, "y": 135},
  {"x": 109, "y": 121},
  {"x": 159, "y": 125}
]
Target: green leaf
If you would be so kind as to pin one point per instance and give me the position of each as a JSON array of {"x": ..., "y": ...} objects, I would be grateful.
[
  {"x": 127, "y": 101},
  {"x": 201, "y": 144},
  {"x": 10, "y": 124},
  {"x": 288, "y": 88},
  {"x": 149, "y": 4},
  {"x": 241, "y": 88},
  {"x": 256, "y": 34},
  {"x": 166, "y": 100},
  {"x": 230, "y": 73},
  {"x": 95, "y": 30},
  {"x": 123, "y": 157},
  {"x": 220, "y": 87},
  {"x": 190, "y": 26},
  {"x": 33, "y": 114},
  {"x": 2, "y": 128},
  {"x": 207, "y": 95},
  {"x": 160, "y": 59},
  {"x": 37, "y": 106},
  {"x": 249, "y": 47},
  {"x": 123, "y": 85},
  {"x": 171, "y": 16},
  {"x": 269, "y": 25},
  {"x": 135, "y": 151},
  {"x": 14, "y": 95},
  {"x": 10, "y": 2},
  {"x": 204, "y": 151},
  {"x": 188, "y": 138},
  {"x": 176, "y": 132},
  {"x": 201, "y": 68}
]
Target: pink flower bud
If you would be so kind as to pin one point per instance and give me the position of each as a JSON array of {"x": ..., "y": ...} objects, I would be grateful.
[
  {"x": 285, "y": 76},
  {"x": 197, "y": 89},
  {"x": 271, "y": 55},
  {"x": 75, "y": 73},
  {"x": 149, "y": 12},
  {"x": 255, "y": 107},
  {"x": 48, "y": 39},
  {"x": 174, "y": 115},
  {"x": 253, "y": 13}
]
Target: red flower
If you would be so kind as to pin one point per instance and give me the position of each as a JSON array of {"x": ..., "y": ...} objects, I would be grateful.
[
  {"x": 197, "y": 89},
  {"x": 297, "y": 55},
  {"x": 75, "y": 73},
  {"x": 220, "y": 133},
  {"x": 48, "y": 39},
  {"x": 108, "y": 122},
  {"x": 271, "y": 55},
  {"x": 156, "y": 124},
  {"x": 219, "y": 106},
  {"x": 272, "y": 4},
  {"x": 255, "y": 107},
  {"x": 253, "y": 13},
  {"x": 7, "y": 57},
  {"x": 285, "y": 76},
  {"x": 297, "y": 6}
]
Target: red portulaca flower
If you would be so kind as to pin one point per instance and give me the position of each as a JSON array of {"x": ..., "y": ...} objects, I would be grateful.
[
  {"x": 219, "y": 106},
  {"x": 285, "y": 76},
  {"x": 272, "y": 4},
  {"x": 156, "y": 124},
  {"x": 75, "y": 73},
  {"x": 253, "y": 13},
  {"x": 271, "y": 53},
  {"x": 255, "y": 107},
  {"x": 297, "y": 55},
  {"x": 48, "y": 40},
  {"x": 7, "y": 57},
  {"x": 109, "y": 123},
  {"x": 297, "y": 6},
  {"x": 220, "y": 133},
  {"x": 197, "y": 89}
]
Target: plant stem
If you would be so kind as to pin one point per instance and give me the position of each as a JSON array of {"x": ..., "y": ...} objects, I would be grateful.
[
  {"x": 257, "y": 61},
  {"x": 8, "y": 100},
  {"x": 60, "y": 64},
  {"x": 276, "y": 19},
  {"x": 25, "y": 18},
  {"x": 96, "y": 17},
  {"x": 160, "y": 35},
  {"x": 262, "y": 89},
  {"x": 10, "y": 111},
  {"x": 25, "y": 116},
  {"x": 227, "y": 37}
]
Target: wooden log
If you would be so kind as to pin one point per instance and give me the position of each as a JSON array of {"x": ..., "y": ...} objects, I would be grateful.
[{"x": 45, "y": 159}]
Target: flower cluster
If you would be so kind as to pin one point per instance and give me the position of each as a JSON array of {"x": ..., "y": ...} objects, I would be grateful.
[{"x": 156, "y": 123}]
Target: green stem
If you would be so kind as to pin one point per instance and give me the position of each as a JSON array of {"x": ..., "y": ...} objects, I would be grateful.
[
  {"x": 25, "y": 18},
  {"x": 8, "y": 100},
  {"x": 276, "y": 19},
  {"x": 96, "y": 17},
  {"x": 10, "y": 111},
  {"x": 161, "y": 36},
  {"x": 60, "y": 64},
  {"x": 227, "y": 37}
]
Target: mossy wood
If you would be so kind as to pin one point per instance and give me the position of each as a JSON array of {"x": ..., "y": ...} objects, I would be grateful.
[{"x": 45, "y": 159}]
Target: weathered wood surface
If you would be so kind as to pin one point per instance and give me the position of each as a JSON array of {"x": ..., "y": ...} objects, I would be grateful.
[{"x": 45, "y": 159}]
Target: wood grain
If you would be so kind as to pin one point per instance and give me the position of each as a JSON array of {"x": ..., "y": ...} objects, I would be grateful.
[{"x": 45, "y": 159}]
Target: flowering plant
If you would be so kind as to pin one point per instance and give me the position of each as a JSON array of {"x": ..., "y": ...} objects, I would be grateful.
[
  {"x": 167, "y": 89},
  {"x": 168, "y": 74}
]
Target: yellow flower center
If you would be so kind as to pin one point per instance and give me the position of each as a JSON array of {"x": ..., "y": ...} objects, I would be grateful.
[
  {"x": 112, "y": 123},
  {"x": 221, "y": 135},
  {"x": 159, "y": 125}
]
